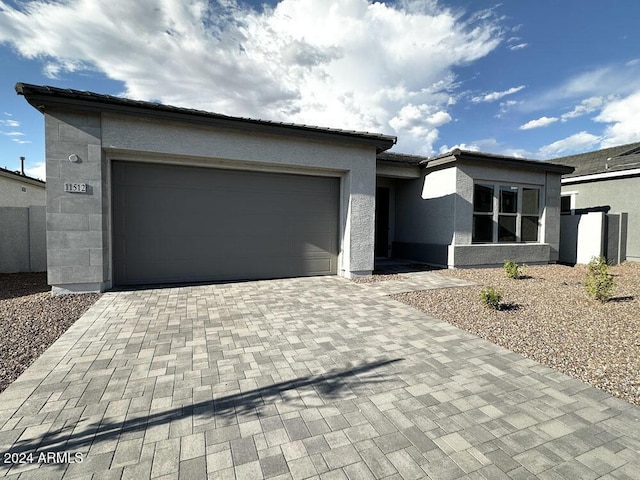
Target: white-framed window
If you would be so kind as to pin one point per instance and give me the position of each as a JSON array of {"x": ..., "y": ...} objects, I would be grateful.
[{"x": 506, "y": 213}]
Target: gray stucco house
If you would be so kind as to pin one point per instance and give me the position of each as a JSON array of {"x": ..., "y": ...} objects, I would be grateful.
[
  {"x": 607, "y": 180},
  {"x": 143, "y": 193}
]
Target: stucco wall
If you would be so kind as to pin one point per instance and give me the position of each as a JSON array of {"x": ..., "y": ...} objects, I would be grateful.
[
  {"x": 464, "y": 253},
  {"x": 434, "y": 217},
  {"x": 495, "y": 255},
  {"x": 22, "y": 226},
  {"x": 621, "y": 195},
  {"x": 79, "y": 224},
  {"x": 22, "y": 239},
  {"x": 12, "y": 195},
  {"x": 468, "y": 173},
  {"x": 425, "y": 214},
  {"x": 125, "y": 138}
]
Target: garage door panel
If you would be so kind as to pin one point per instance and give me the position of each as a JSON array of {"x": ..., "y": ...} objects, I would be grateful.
[{"x": 181, "y": 224}]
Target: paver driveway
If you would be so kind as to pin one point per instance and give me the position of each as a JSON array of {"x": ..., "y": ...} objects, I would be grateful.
[{"x": 301, "y": 378}]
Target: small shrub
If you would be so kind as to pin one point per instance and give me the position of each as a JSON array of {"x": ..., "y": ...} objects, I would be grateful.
[
  {"x": 513, "y": 270},
  {"x": 599, "y": 282},
  {"x": 491, "y": 297}
]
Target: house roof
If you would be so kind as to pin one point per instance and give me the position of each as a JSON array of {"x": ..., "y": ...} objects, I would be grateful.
[
  {"x": 42, "y": 97},
  {"x": 21, "y": 178},
  {"x": 608, "y": 160},
  {"x": 400, "y": 158},
  {"x": 497, "y": 160}
]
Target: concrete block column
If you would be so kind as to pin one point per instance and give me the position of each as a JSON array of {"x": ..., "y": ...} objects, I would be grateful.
[{"x": 76, "y": 227}]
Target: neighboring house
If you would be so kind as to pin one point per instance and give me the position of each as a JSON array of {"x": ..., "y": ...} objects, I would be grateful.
[
  {"x": 466, "y": 209},
  {"x": 22, "y": 223},
  {"x": 143, "y": 193},
  {"x": 605, "y": 182}
]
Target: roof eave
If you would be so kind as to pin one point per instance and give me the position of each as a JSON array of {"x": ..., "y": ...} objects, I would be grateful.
[
  {"x": 594, "y": 177},
  {"x": 22, "y": 178},
  {"x": 458, "y": 155},
  {"x": 42, "y": 101}
]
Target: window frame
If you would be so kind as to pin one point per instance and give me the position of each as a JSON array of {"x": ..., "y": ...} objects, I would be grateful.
[
  {"x": 490, "y": 213},
  {"x": 496, "y": 212}
]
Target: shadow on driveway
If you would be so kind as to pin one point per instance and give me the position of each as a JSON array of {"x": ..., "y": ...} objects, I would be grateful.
[{"x": 328, "y": 386}]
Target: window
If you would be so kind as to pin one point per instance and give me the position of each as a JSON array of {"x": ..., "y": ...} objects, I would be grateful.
[
  {"x": 505, "y": 213},
  {"x": 482, "y": 213},
  {"x": 568, "y": 202},
  {"x": 508, "y": 217},
  {"x": 530, "y": 219}
]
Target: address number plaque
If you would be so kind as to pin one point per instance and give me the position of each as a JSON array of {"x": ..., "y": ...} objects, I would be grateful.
[{"x": 75, "y": 187}]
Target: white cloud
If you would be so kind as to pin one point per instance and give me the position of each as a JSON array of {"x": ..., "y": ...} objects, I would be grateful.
[
  {"x": 20, "y": 141},
  {"x": 518, "y": 46},
  {"x": 351, "y": 64},
  {"x": 489, "y": 145},
  {"x": 585, "y": 107},
  {"x": 575, "y": 143},
  {"x": 619, "y": 79},
  {"x": 38, "y": 171},
  {"x": 13, "y": 134},
  {"x": 539, "y": 122},
  {"x": 9, "y": 123},
  {"x": 505, "y": 107},
  {"x": 462, "y": 146},
  {"x": 623, "y": 115},
  {"x": 493, "y": 96}
]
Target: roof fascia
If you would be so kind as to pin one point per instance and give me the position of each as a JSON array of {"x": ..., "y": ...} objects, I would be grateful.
[
  {"x": 22, "y": 178},
  {"x": 43, "y": 101},
  {"x": 498, "y": 161},
  {"x": 600, "y": 176}
]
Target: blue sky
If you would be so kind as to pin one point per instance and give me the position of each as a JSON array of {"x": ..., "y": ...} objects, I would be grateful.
[{"x": 536, "y": 79}]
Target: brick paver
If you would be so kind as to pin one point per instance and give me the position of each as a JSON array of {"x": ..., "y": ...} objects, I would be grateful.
[{"x": 300, "y": 378}]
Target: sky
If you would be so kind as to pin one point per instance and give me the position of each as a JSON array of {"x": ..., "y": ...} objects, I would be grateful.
[{"x": 534, "y": 79}]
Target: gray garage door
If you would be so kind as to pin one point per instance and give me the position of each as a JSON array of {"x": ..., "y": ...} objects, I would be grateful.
[{"x": 186, "y": 224}]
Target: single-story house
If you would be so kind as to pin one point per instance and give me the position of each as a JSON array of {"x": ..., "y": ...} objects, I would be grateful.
[
  {"x": 22, "y": 223},
  {"x": 607, "y": 181},
  {"x": 144, "y": 193}
]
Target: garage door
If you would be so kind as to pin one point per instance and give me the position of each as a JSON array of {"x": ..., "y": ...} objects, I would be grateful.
[{"x": 185, "y": 224}]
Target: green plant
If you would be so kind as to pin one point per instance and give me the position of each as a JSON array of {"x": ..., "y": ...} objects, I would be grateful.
[
  {"x": 599, "y": 282},
  {"x": 513, "y": 270},
  {"x": 491, "y": 297}
]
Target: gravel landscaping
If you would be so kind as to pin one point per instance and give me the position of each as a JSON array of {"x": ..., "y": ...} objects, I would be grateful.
[
  {"x": 31, "y": 320},
  {"x": 547, "y": 316}
]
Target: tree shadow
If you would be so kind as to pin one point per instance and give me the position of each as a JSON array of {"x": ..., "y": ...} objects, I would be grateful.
[{"x": 330, "y": 386}]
